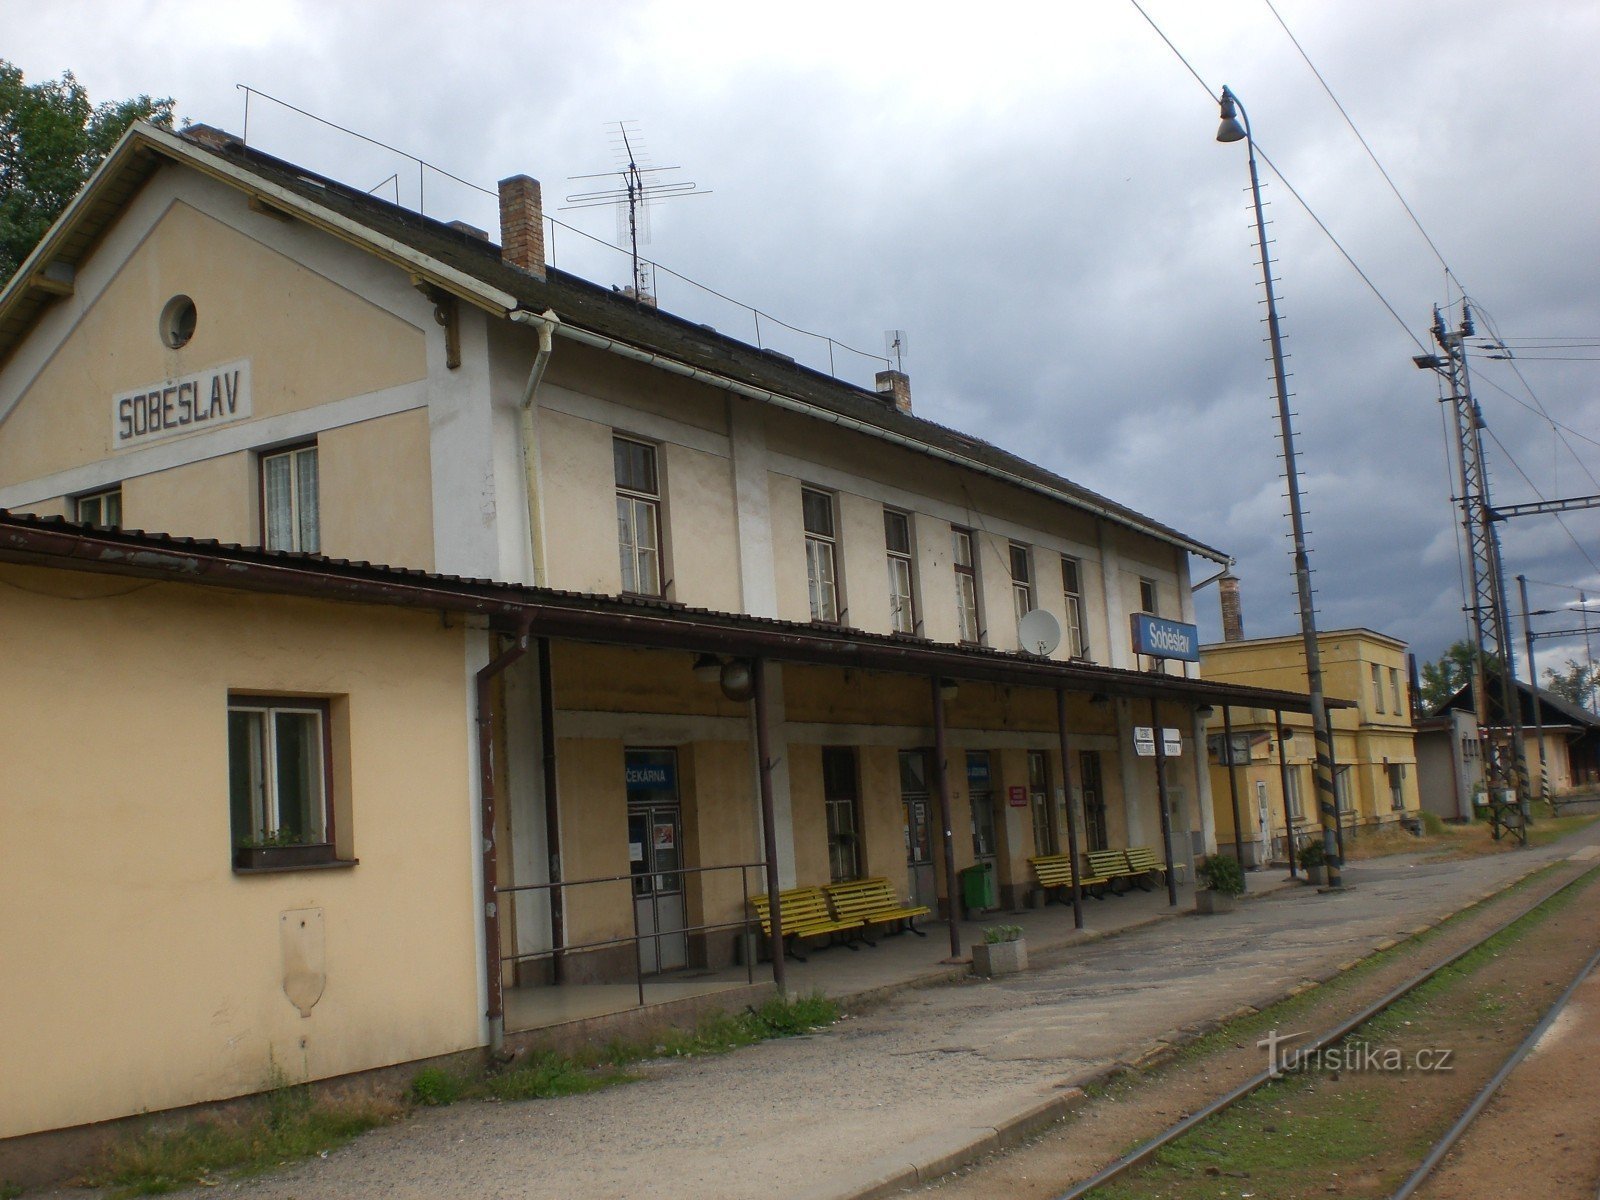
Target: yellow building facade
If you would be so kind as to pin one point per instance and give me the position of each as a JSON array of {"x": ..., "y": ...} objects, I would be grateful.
[
  {"x": 1374, "y": 748},
  {"x": 523, "y": 749}
]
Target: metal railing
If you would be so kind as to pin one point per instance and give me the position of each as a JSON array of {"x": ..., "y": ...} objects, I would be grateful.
[{"x": 745, "y": 925}]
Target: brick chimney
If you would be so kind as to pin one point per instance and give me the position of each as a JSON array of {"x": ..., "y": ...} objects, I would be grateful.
[
  {"x": 1232, "y": 614},
  {"x": 895, "y": 385},
  {"x": 522, "y": 224}
]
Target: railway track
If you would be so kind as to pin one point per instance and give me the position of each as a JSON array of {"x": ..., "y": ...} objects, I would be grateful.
[{"x": 1453, "y": 1137}]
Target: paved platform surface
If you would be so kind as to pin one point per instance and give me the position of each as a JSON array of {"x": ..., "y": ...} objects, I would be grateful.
[{"x": 916, "y": 1082}]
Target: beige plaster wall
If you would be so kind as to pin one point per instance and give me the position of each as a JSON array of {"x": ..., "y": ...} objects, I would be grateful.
[
  {"x": 865, "y": 563},
  {"x": 789, "y": 548},
  {"x": 808, "y": 812},
  {"x": 580, "y": 504},
  {"x": 214, "y": 498},
  {"x": 701, "y": 529},
  {"x": 719, "y": 829},
  {"x": 883, "y": 826},
  {"x": 309, "y": 341},
  {"x": 154, "y": 973},
  {"x": 375, "y": 500},
  {"x": 594, "y": 837}
]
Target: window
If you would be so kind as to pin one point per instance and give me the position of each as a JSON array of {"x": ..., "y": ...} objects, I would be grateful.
[
  {"x": 1377, "y": 687},
  {"x": 1021, "y": 580},
  {"x": 897, "y": 545},
  {"x": 980, "y": 792},
  {"x": 1394, "y": 691},
  {"x": 278, "y": 773},
  {"x": 967, "y": 615},
  {"x": 1044, "y": 825},
  {"x": 822, "y": 568},
  {"x": 1149, "y": 598},
  {"x": 1397, "y": 780},
  {"x": 289, "y": 510},
  {"x": 101, "y": 508},
  {"x": 1292, "y": 776},
  {"x": 842, "y": 798},
  {"x": 1072, "y": 587},
  {"x": 1341, "y": 789},
  {"x": 638, "y": 516}
]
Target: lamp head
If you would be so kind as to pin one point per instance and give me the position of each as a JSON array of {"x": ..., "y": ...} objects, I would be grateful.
[{"x": 1230, "y": 130}]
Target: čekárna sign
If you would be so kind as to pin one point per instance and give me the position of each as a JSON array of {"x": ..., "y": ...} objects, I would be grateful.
[{"x": 215, "y": 396}]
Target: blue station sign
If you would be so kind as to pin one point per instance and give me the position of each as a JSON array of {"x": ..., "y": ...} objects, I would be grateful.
[{"x": 1160, "y": 638}]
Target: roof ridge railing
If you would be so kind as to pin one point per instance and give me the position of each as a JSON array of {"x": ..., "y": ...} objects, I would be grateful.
[{"x": 756, "y": 315}]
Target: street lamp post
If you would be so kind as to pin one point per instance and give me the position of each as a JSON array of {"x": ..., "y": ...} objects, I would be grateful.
[{"x": 1327, "y": 808}]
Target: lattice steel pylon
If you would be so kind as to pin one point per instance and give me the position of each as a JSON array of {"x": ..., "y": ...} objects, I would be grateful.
[{"x": 1507, "y": 775}]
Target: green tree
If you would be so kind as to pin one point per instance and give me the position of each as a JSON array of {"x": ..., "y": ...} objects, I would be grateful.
[
  {"x": 1575, "y": 684},
  {"x": 1451, "y": 673},
  {"x": 51, "y": 140}
]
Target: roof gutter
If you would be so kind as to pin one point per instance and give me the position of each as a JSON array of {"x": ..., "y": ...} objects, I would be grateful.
[{"x": 816, "y": 412}]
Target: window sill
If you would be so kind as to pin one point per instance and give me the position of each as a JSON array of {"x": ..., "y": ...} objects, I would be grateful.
[{"x": 336, "y": 864}]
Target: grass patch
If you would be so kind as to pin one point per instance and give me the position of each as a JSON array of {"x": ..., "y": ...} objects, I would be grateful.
[
  {"x": 1296, "y": 1134},
  {"x": 289, "y": 1125},
  {"x": 544, "y": 1073},
  {"x": 1453, "y": 841}
]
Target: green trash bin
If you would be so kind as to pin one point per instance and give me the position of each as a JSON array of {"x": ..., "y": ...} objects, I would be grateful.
[{"x": 977, "y": 888}]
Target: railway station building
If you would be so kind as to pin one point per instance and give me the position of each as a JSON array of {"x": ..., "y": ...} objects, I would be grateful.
[
  {"x": 1272, "y": 756},
  {"x": 363, "y": 579}
]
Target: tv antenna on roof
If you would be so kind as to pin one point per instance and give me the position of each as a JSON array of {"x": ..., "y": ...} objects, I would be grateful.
[
  {"x": 639, "y": 188},
  {"x": 896, "y": 346}
]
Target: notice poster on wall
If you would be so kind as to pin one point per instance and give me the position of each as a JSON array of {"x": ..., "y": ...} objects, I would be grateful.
[{"x": 1019, "y": 797}]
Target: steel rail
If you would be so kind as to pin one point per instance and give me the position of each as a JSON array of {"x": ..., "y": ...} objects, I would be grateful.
[
  {"x": 1454, "y": 1134},
  {"x": 1172, "y": 1133}
]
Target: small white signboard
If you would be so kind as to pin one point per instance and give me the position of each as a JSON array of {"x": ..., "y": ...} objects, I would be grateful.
[
  {"x": 1172, "y": 743},
  {"x": 1144, "y": 741}
]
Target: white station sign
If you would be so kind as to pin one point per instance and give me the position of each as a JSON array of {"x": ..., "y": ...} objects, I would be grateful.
[
  {"x": 1144, "y": 742},
  {"x": 215, "y": 396}
]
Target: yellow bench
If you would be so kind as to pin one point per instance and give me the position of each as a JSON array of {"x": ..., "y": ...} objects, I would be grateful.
[
  {"x": 805, "y": 913},
  {"x": 1143, "y": 860},
  {"x": 873, "y": 902},
  {"x": 1113, "y": 864},
  {"x": 1053, "y": 873}
]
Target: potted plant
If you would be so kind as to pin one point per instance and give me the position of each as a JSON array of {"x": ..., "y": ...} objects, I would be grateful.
[
  {"x": 1315, "y": 860},
  {"x": 278, "y": 851},
  {"x": 1221, "y": 880},
  {"x": 1001, "y": 952}
]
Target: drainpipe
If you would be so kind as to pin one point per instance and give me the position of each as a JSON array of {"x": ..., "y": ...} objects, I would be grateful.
[
  {"x": 546, "y": 324},
  {"x": 486, "y": 801}
]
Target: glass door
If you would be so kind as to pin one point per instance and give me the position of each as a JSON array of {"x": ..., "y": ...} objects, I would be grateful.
[
  {"x": 655, "y": 834},
  {"x": 914, "y": 797},
  {"x": 980, "y": 791},
  {"x": 1094, "y": 800}
]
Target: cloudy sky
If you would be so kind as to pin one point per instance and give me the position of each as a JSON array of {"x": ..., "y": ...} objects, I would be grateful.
[{"x": 1033, "y": 193}]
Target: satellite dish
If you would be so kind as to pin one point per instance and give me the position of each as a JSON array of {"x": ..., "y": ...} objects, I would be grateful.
[{"x": 1039, "y": 631}]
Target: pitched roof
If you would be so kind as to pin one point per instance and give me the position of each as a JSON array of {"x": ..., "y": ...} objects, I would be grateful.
[
  {"x": 473, "y": 269},
  {"x": 1564, "y": 711}
]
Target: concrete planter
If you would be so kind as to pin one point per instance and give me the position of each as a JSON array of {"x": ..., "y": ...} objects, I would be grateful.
[
  {"x": 1211, "y": 902},
  {"x": 1317, "y": 876},
  {"x": 999, "y": 958}
]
